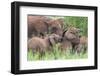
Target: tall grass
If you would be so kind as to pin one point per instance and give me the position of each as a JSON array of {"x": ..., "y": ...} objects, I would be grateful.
[{"x": 56, "y": 54}]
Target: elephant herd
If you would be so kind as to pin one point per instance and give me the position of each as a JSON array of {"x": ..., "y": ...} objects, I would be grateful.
[{"x": 45, "y": 32}]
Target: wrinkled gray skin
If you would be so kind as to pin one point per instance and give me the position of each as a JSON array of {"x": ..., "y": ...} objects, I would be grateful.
[{"x": 41, "y": 25}]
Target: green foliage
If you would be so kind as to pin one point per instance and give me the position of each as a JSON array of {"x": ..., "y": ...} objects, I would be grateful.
[{"x": 78, "y": 22}]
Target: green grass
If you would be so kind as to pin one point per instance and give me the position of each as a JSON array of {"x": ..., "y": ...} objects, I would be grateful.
[{"x": 56, "y": 54}]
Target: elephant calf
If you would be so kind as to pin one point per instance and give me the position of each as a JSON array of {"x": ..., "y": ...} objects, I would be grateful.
[
  {"x": 82, "y": 46},
  {"x": 41, "y": 45},
  {"x": 70, "y": 38}
]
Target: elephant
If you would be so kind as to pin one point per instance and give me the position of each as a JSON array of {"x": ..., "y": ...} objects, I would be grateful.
[
  {"x": 70, "y": 38},
  {"x": 41, "y": 25},
  {"x": 82, "y": 46},
  {"x": 37, "y": 44}
]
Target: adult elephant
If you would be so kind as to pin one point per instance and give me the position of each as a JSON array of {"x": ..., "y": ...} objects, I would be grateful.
[{"x": 41, "y": 25}]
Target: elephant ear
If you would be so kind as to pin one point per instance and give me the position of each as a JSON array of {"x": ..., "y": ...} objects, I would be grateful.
[
  {"x": 70, "y": 36},
  {"x": 51, "y": 40}
]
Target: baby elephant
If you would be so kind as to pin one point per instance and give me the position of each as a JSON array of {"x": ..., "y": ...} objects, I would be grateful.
[
  {"x": 82, "y": 46},
  {"x": 72, "y": 34},
  {"x": 41, "y": 45},
  {"x": 70, "y": 38}
]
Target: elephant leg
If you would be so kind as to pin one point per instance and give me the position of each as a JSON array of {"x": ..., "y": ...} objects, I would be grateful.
[{"x": 73, "y": 49}]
